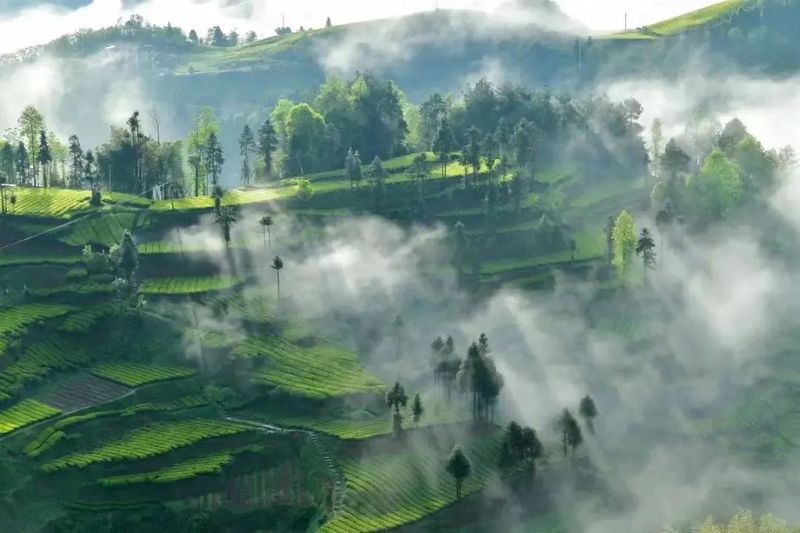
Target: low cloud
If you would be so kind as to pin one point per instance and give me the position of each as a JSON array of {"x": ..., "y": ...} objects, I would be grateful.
[{"x": 765, "y": 105}]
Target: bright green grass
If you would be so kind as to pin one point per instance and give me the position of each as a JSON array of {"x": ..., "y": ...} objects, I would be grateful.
[
  {"x": 319, "y": 371},
  {"x": 387, "y": 490},
  {"x": 55, "y": 203},
  {"x": 207, "y": 464},
  {"x": 195, "y": 285},
  {"x": 38, "y": 360},
  {"x": 24, "y": 414},
  {"x": 14, "y": 320},
  {"x": 148, "y": 441},
  {"x": 51, "y": 435},
  {"x": 136, "y": 375},
  {"x": 681, "y": 23},
  {"x": 696, "y": 18}
]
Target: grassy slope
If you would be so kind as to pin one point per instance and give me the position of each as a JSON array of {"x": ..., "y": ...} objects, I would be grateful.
[
  {"x": 288, "y": 367},
  {"x": 696, "y": 18},
  {"x": 682, "y": 23},
  {"x": 295, "y": 46}
]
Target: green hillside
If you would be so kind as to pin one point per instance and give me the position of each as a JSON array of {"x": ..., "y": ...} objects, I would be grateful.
[
  {"x": 373, "y": 303},
  {"x": 694, "y": 20}
]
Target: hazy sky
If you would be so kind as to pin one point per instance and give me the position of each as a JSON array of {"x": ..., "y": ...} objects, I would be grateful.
[{"x": 35, "y": 25}]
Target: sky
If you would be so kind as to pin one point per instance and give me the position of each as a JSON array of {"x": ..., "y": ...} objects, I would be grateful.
[{"x": 40, "y": 23}]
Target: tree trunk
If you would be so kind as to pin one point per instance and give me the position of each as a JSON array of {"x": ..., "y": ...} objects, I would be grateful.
[
  {"x": 278, "y": 274},
  {"x": 269, "y": 238}
]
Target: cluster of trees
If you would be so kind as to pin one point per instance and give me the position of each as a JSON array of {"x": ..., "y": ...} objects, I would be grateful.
[
  {"x": 130, "y": 161},
  {"x": 257, "y": 151},
  {"x": 216, "y": 37},
  {"x": 520, "y": 445},
  {"x": 396, "y": 398},
  {"x": 475, "y": 376},
  {"x": 526, "y": 129},
  {"x": 364, "y": 114},
  {"x": 31, "y": 154},
  {"x": 121, "y": 261},
  {"x": 623, "y": 245},
  {"x": 569, "y": 428},
  {"x": 711, "y": 170},
  {"x": 226, "y": 217},
  {"x": 345, "y": 124},
  {"x": 506, "y": 131},
  {"x": 137, "y": 30}
]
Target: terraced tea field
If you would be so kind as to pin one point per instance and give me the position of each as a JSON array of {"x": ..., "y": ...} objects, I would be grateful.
[
  {"x": 207, "y": 464},
  {"x": 319, "y": 371},
  {"x": 148, "y": 441},
  {"x": 24, "y": 413},
  {"x": 105, "y": 229},
  {"x": 52, "y": 434},
  {"x": 188, "y": 285},
  {"x": 257, "y": 309},
  {"x": 53, "y": 203},
  {"x": 83, "y": 320},
  {"x": 14, "y": 320},
  {"x": 89, "y": 286},
  {"x": 136, "y": 375},
  {"x": 14, "y": 258},
  {"x": 38, "y": 360},
  {"x": 387, "y": 490}
]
